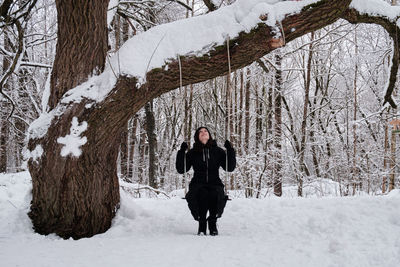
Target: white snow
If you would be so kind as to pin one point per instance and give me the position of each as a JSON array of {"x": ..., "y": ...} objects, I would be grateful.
[
  {"x": 112, "y": 10},
  {"x": 72, "y": 142},
  {"x": 46, "y": 94},
  {"x": 38, "y": 128},
  {"x": 35, "y": 154},
  {"x": 289, "y": 231},
  {"x": 377, "y": 8}
]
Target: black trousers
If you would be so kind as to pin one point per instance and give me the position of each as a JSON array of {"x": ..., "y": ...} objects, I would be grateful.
[{"x": 207, "y": 198}]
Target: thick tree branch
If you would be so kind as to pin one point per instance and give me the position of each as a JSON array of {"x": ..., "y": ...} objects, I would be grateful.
[
  {"x": 246, "y": 48},
  {"x": 353, "y": 16}
]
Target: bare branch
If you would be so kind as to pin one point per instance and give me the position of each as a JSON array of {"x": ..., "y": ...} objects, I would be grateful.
[{"x": 35, "y": 64}]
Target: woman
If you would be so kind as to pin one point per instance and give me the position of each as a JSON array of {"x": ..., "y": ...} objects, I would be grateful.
[{"x": 206, "y": 190}]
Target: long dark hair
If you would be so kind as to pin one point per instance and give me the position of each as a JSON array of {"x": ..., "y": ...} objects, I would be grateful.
[{"x": 199, "y": 146}]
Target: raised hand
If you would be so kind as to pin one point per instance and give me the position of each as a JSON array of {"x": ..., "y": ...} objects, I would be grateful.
[
  {"x": 228, "y": 145},
  {"x": 184, "y": 146}
]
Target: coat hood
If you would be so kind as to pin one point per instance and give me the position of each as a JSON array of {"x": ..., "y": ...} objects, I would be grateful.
[{"x": 199, "y": 145}]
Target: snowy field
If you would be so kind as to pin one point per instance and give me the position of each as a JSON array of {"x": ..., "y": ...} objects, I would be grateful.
[{"x": 331, "y": 231}]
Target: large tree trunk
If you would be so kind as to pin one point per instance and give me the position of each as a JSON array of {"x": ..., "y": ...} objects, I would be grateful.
[
  {"x": 71, "y": 196},
  {"x": 78, "y": 195}
]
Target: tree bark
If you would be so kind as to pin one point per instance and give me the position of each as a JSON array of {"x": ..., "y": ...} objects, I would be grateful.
[
  {"x": 4, "y": 130},
  {"x": 385, "y": 156},
  {"x": 249, "y": 177},
  {"x": 278, "y": 129},
  {"x": 131, "y": 145},
  {"x": 152, "y": 140},
  {"x": 3, "y": 138},
  {"x": 141, "y": 161},
  {"x": 81, "y": 45},
  {"x": 247, "y": 112},
  {"x": 210, "y": 5}
]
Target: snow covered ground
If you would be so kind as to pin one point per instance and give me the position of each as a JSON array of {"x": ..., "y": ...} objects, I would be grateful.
[{"x": 289, "y": 231}]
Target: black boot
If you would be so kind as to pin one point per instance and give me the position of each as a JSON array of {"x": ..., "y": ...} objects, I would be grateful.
[
  {"x": 212, "y": 225},
  {"x": 202, "y": 227}
]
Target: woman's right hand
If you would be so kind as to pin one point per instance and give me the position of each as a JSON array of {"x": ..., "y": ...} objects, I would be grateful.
[
  {"x": 228, "y": 145},
  {"x": 184, "y": 146}
]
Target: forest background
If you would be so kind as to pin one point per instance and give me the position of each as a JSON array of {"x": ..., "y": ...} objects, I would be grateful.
[{"x": 311, "y": 111}]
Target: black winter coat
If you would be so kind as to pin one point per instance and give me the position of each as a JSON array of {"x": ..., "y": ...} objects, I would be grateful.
[{"x": 206, "y": 163}]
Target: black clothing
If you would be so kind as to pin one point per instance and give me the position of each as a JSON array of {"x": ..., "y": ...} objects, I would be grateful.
[
  {"x": 228, "y": 145},
  {"x": 184, "y": 146},
  {"x": 202, "y": 227},
  {"x": 206, "y": 190},
  {"x": 206, "y": 163},
  {"x": 212, "y": 225}
]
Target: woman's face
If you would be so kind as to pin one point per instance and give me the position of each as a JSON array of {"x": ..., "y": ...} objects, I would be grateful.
[{"x": 204, "y": 135}]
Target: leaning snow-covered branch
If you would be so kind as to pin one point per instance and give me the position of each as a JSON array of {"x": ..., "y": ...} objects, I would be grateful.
[
  {"x": 254, "y": 29},
  {"x": 136, "y": 190},
  {"x": 147, "y": 62},
  {"x": 377, "y": 8}
]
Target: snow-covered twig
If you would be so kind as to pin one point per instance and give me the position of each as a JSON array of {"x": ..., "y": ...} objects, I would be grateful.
[{"x": 145, "y": 187}]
